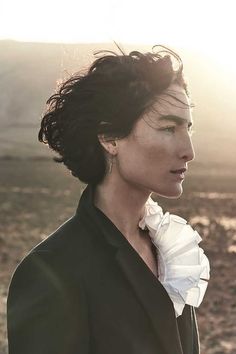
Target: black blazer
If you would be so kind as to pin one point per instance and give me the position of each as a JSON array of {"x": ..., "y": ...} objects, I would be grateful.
[{"x": 85, "y": 290}]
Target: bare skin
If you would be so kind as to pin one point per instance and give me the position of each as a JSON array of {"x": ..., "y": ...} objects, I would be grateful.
[
  {"x": 142, "y": 163},
  {"x": 132, "y": 210},
  {"x": 146, "y": 251}
]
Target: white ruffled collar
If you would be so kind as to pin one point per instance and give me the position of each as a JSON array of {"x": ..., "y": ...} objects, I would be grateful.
[{"x": 182, "y": 265}]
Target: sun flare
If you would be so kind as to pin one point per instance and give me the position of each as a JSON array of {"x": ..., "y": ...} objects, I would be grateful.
[{"x": 207, "y": 25}]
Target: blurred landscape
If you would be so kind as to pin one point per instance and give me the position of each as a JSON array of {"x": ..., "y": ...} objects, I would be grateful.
[
  {"x": 37, "y": 195},
  {"x": 28, "y": 76}
]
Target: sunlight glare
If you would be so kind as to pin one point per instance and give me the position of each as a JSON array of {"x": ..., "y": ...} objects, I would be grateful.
[{"x": 205, "y": 25}]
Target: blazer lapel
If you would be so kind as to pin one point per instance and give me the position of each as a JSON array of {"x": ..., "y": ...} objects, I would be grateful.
[
  {"x": 149, "y": 291},
  {"x": 153, "y": 298}
]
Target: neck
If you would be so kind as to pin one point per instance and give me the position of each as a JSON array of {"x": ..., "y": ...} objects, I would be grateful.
[{"x": 122, "y": 204}]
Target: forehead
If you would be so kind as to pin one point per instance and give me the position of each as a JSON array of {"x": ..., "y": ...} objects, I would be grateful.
[{"x": 172, "y": 102}]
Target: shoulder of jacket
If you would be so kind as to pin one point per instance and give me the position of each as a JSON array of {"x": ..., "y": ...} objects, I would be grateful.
[
  {"x": 62, "y": 250},
  {"x": 72, "y": 236}
]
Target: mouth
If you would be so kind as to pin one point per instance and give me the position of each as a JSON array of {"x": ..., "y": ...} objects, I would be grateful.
[
  {"x": 181, "y": 170},
  {"x": 179, "y": 173}
]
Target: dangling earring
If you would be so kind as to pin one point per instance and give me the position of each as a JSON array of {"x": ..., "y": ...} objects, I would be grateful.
[{"x": 110, "y": 164}]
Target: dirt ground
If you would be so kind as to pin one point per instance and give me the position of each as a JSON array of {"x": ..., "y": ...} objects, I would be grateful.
[{"x": 30, "y": 188}]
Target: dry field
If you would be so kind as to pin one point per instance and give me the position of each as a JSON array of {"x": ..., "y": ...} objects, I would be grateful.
[{"x": 36, "y": 196}]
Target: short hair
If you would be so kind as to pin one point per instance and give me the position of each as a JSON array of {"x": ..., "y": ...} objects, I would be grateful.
[{"x": 108, "y": 99}]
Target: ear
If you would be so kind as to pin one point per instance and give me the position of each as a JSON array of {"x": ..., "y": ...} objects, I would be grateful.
[{"x": 109, "y": 144}]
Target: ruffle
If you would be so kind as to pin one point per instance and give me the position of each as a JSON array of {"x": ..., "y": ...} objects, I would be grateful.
[{"x": 183, "y": 267}]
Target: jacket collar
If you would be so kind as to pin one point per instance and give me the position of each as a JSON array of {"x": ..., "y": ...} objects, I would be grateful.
[{"x": 149, "y": 291}]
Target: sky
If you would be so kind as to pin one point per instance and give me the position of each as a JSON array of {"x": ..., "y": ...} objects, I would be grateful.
[{"x": 205, "y": 25}]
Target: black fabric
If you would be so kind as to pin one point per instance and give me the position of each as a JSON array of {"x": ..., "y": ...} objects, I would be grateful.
[{"x": 85, "y": 290}]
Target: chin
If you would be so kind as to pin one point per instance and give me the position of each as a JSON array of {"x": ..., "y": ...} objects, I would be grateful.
[{"x": 171, "y": 193}]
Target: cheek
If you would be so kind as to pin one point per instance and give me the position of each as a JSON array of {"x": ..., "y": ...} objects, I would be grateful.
[
  {"x": 158, "y": 151},
  {"x": 139, "y": 158}
]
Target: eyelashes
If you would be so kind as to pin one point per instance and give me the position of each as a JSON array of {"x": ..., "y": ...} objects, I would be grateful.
[
  {"x": 191, "y": 131},
  {"x": 172, "y": 129}
]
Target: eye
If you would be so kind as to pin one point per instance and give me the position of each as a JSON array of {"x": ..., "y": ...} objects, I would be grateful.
[
  {"x": 190, "y": 130},
  {"x": 169, "y": 129}
]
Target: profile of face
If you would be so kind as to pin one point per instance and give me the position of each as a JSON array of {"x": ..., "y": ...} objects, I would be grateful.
[{"x": 155, "y": 155}]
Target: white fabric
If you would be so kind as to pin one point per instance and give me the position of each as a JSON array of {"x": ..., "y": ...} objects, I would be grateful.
[{"x": 183, "y": 267}]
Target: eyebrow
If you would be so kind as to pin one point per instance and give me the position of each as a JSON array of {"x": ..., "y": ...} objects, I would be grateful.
[{"x": 176, "y": 119}]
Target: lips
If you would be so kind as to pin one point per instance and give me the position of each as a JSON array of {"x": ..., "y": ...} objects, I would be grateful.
[{"x": 179, "y": 171}]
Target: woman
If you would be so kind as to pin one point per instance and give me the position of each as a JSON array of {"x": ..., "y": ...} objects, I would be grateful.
[{"x": 119, "y": 276}]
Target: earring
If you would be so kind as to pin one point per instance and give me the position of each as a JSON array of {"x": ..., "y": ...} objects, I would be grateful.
[{"x": 110, "y": 164}]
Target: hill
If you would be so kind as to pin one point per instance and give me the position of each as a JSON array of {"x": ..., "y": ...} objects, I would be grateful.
[{"x": 28, "y": 75}]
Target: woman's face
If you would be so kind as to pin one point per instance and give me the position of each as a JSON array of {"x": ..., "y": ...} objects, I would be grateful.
[{"x": 155, "y": 155}]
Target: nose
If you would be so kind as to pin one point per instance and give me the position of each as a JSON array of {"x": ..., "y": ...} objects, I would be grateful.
[{"x": 187, "y": 150}]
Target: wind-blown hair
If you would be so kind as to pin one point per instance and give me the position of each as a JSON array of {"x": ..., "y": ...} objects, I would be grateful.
[{"x": 115, "y": 92}]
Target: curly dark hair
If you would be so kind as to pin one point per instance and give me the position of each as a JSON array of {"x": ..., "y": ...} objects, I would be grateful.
[{"x": 115, "y": 92}]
